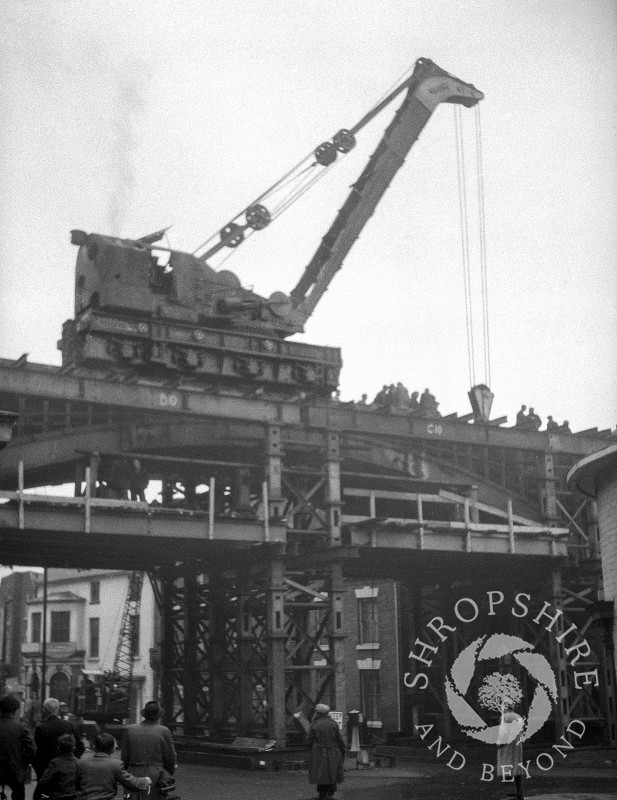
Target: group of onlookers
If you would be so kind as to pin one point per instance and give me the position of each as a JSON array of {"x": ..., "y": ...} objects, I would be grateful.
[{"x": 147, "y": 755}]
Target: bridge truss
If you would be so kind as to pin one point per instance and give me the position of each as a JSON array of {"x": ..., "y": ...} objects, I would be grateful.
[{"x": 302, "y": 497}]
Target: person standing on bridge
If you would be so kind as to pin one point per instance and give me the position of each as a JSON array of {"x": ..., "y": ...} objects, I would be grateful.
[
  {"x": 138, "y": 481},
  {"x": 147, "y": 748},
  {"x": 328, "y": 750}
]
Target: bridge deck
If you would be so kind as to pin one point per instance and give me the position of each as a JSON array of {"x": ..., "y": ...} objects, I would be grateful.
[{"x": 37, "y": 528}]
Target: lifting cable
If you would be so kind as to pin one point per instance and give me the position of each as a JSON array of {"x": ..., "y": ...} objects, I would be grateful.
[
  {"x": 483, "y": 261},
  {"x": 462, "y": 201},
  {"x": 466, "y": 248}
]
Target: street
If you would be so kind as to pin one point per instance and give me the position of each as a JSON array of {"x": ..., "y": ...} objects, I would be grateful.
[{"x": 404, "y": 782}]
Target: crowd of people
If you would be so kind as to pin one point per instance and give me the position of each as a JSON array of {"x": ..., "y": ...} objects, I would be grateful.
[
  {"x": 55, "y": 750},
  {"x": 396, "y": 398},
  {"x": 531, "y": 421}
]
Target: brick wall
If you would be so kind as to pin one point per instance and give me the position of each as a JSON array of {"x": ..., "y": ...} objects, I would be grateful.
[{"x": 386, "y": 655}]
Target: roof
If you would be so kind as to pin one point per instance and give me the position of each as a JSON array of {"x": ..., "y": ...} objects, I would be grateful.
[
  {"x": 583, "y": 475},
  {"x": 59, "y": 597}
]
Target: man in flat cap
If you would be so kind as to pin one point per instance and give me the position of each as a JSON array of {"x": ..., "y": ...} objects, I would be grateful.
[{"x": 327, "y": 752}]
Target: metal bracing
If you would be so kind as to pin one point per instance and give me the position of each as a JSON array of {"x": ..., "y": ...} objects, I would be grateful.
[
  {"x": 243, "y": 653},
  {"x": 246, "y": 645}
]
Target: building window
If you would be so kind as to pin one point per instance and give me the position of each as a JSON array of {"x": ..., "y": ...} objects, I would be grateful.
[
  {"x": 35, "y": 631},
  {"x": 95, "y": 627},
  {"x": 60, "y": 626},
  {"x": 95, "y": 592},
  {"x": 368, "y": 620},
  {"x": 369, "y": 693}
]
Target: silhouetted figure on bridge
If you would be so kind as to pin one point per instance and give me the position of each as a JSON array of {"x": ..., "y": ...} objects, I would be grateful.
[
  {"x": 521, "y": 417},
  {"x": 138, "y": 480},
  {"x": 533, "y": 420},
  {"x": 551, "y": 425},
  {"x": 401, "y": 396},
  {"x": 428, "y": 405}
]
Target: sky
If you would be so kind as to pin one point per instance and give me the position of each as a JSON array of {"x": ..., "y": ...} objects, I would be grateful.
[{"x": 125, "y": 117}]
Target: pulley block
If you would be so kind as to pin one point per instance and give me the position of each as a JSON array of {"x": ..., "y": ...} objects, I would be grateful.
[
  {"x": 232, "y": 234},
  {"x": 325, "y": 154},
  {"x": 257, "y": 217},
  {"x": 344, "y": 140}
]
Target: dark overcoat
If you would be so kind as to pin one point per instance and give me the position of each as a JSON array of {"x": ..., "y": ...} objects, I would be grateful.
[
  {"x": 327, "y": 752},
  {"x": 46, "y": 735},
  {"x": 16, "y": 749}
]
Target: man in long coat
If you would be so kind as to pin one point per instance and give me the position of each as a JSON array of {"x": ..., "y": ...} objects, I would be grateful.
[
  {"x": 327, "y": 752},
  {"x": 16, "y": 748},
  {"x": 147, "y": 748}
]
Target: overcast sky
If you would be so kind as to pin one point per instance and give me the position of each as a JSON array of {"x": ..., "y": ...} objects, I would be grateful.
[{"x": 125, "y": 117}]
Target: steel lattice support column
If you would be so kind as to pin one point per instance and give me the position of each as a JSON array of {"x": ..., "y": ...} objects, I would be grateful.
[
  {"x": 171, "y": 687},
  {"x": 244, "y": 639},
  {"x": 273, "y": 470},
  {"x": 558, "y": 658},
  {"x": 276, "y": 651},
  {"x": 190, "y": 676},
  {"x": 217, "y": 613},
  {"x": 337, "y": 635},
  {"x": 333, "y": 488},
  {"x": 548, "y": 493}
]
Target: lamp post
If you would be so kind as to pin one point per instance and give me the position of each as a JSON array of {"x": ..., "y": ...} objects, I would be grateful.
[{"x": 44, "y": 643}]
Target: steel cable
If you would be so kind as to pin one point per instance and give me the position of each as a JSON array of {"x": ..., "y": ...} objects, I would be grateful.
[
  {"x": 483, "y": 258},
  {"x": 462, "y": 196}
]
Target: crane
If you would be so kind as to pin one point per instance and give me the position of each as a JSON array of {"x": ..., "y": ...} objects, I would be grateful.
[
  {"x": 118, "y": 682},
  {"x": 149, "y": 310}
]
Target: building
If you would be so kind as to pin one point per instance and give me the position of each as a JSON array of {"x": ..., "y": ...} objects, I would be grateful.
[
  {"x": 15, "y": 590},
  {"x": 85, "y": 612},
  {"x": 596, "y": 476},
  {"x": 372, "y": 656}
]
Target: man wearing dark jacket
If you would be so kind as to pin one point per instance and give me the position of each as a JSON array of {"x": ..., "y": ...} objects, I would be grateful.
[
  {"x": 327, "y": 752},
  {"x": 16, "y": 748},
  {"x": 47, "y": 733}
]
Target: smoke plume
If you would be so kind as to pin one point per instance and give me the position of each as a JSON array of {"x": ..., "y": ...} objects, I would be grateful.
[{"x": 129, "y": 103}]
